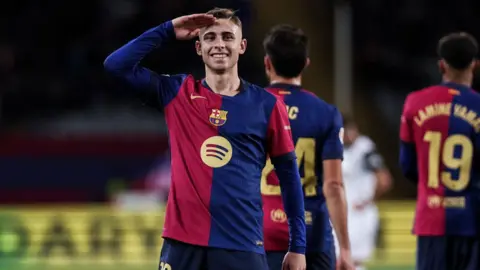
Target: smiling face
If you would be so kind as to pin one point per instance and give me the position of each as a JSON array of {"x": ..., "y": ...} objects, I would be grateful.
[{"x": 220, "y": 45}]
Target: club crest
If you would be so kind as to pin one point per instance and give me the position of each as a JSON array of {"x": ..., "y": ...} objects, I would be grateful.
[{"x": 218, "y": 117}]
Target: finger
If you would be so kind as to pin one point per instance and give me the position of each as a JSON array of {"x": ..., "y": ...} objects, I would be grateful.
[
  {"x": 200, "y": 15},
  {"x": 285, "y": 266},
  {"x": 201, "y": 18},
  {"x": 202, "y": 22},
  {"x": 195, "y": 32}
]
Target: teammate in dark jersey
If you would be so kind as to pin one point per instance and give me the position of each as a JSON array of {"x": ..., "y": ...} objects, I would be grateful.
[
  {"x": 221, "y": 130},
  {"x": 317, "y": 130},
  {"x": 440, "y": 145}
]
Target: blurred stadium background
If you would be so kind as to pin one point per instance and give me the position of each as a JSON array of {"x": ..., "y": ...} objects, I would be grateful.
[{"x": 84, "y": 167}]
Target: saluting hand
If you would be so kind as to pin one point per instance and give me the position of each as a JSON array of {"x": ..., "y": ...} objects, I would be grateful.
[{"x": 188, "y": 27}]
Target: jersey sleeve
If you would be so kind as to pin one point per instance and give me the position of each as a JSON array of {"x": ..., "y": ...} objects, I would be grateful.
[
  {"x": 406, "y": 122},
  {"x": 279, "y": 135},
  {"x": 124, "y": 63},
  {"x": 408, "y": 155},
  {"x": 374, "y": 161},
  {"x": 333, "y": 145}
]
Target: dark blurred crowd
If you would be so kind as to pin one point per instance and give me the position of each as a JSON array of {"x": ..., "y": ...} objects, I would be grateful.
[
  {"x": 51, "y": 52},
  {"x": 396, "y": 40}
]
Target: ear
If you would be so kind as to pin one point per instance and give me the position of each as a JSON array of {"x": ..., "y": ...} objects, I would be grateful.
[
  {"x": 243, "y": 46},
  {"x": 307, "y": 63},
  {"x": 474, "y": 64},
  {"x": 198, "y": 47},
  {"x": 441, "y": 66},
  {"x": 267, "y": 62}
]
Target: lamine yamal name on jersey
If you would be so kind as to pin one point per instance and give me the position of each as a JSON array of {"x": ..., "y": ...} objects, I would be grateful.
[{"x": 445, "y": 109}]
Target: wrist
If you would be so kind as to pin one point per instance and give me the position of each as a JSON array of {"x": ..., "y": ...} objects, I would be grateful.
[
  {"x": 297, "y": 249},
  {"x": 168, "y": 26}
]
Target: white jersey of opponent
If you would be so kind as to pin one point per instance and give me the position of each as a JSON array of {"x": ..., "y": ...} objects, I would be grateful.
[
  {"x": 360, "y": 161},
  {"x": 359, "y": 165}
]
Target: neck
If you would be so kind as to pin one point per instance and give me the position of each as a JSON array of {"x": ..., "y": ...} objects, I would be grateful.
[
  {"x": 294, "y": 81},
  {"x": 227, "y": 83},
  {"x": 458, "y": 77}
]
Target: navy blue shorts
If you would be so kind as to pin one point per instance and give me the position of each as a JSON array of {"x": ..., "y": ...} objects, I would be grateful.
[
  {"x": 176, "y": 255},
  {"x": 315, "y": 260},
  {"x": 447, "y": 253}
]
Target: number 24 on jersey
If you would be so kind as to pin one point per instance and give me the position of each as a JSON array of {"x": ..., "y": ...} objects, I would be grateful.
[{"x": 305, "y": 152}]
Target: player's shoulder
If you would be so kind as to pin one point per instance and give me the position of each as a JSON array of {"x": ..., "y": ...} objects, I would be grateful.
[
  {"x": 316, "y": 103},
  {"x": 320, "y": 103},
  {"x": 474, "y": 95},
  {"x": 419, "y": 98},
  {"x": 322, "y": 107},
  {"x": 421, "y": 93},
  {"x": 262, "y": 95}
]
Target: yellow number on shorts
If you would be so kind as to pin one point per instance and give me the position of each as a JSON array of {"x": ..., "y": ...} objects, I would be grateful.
[
  {"x": 305, "y": 152},
  {"x": 463, "y": 163},
  {"x": 165, "y": 266}
]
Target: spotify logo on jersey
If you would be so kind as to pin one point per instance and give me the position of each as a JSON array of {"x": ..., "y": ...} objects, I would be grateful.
[{"x": 216, "y": 151}]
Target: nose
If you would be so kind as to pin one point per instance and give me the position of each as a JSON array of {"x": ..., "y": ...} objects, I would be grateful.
[{"x": 219, "y": 44}]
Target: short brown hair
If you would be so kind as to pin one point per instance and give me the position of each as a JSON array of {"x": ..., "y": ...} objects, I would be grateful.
[{"x": 225, "y": 13}]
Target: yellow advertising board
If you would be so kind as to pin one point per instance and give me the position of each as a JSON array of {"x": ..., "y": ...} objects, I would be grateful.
[
  {"x": 102, "y": 235},
  {"x": 397, "y": 244},
  {"x": 86, "y": 234}
]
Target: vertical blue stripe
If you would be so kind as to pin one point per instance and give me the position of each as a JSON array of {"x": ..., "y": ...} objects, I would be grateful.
[
  {"x": 236, "y": 202},
  {"x": 461, "y": 221}
]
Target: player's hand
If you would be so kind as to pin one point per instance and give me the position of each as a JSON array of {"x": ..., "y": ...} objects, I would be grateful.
[
  {"x": 188, "y": 27},
  {"x": 344, "y": 261},
  {"x": 294, "y": 261}
]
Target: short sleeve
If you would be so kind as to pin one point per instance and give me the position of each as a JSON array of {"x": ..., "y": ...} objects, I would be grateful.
[
  {"x": 406, "y": 122},
  {"x": 333, "y": 144},
  {"x": 374, "y": 161},
  {"x": 279, "y": 135}
]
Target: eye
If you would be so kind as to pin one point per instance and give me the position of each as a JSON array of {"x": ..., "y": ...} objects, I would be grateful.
[
  {"x": 209, "y": 37},
  {"x": 228, "y": 37}
]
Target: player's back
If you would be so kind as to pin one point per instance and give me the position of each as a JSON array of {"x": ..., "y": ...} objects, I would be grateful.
[
  {"x": 312, "y": 121},
  {"x": 445, "y": 126}
]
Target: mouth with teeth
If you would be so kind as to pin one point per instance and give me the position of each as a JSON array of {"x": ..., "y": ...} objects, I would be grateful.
[{"x": 219, "y": 55}]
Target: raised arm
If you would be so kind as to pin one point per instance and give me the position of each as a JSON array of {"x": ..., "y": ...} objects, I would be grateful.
[{"x": 125, "y": 62}]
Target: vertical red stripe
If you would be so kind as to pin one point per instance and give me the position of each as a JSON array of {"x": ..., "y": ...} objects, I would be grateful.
[
  {"x": 188, "y": 216},
  {"x": 275, "y": 226}
]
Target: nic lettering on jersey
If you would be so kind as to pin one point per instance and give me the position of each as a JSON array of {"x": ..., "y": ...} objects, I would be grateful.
[{"x": 292, "y": 112}]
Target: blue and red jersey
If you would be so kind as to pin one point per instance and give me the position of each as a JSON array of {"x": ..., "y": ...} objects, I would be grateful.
[
  {"x": 219, "y": 146},
  {"x": 317, "y": 130},
  {"x": 440, "y": 145}
]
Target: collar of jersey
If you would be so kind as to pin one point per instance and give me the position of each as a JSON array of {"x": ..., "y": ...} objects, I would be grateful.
[
  {"x": 285, "y": 86},
  {"x": 243, "y": 86},
  {"x": 456, "y": 86}
]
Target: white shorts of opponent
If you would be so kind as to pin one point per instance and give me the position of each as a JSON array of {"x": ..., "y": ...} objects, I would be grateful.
[{"x": 362, "y": 231}]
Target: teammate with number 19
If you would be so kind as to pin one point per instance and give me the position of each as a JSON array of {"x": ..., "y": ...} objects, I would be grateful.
[
  {"x": 440, "y": 143},
  {"x": 317, "y": 130}
]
